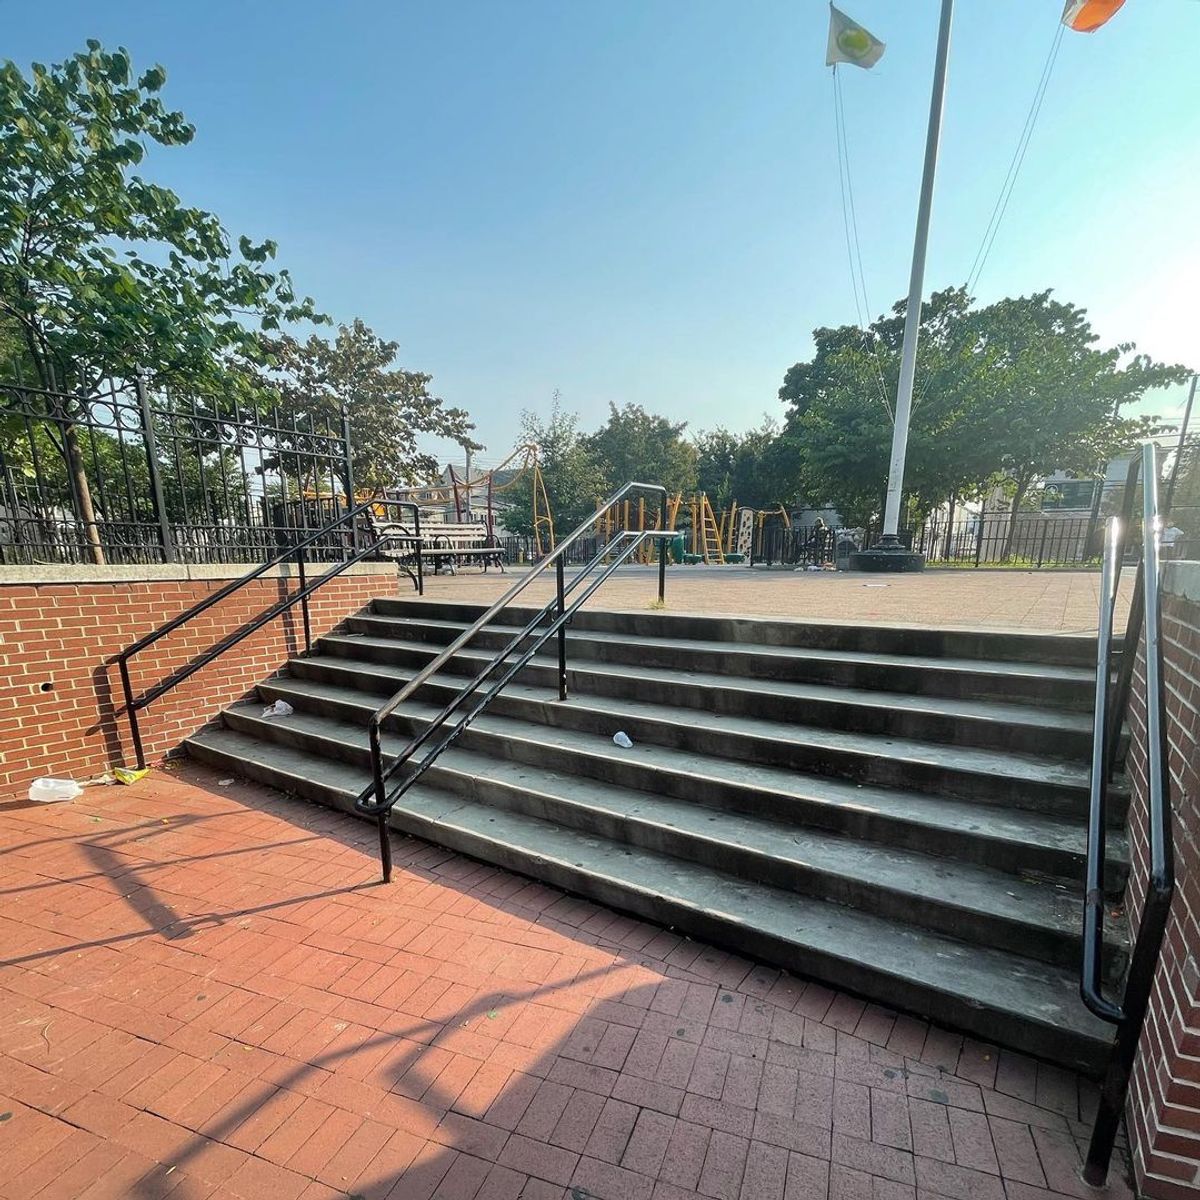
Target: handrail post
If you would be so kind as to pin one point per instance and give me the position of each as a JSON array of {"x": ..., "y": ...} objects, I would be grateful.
[
  {"x": 385, "y": 847},
  {"x": 662, "y": 553},
  {"x": 562, "y": 630},
  {"x": 304, "y": 599},
  {"x": 131, "y": 712},
  {"x": 420, "y": 552}
]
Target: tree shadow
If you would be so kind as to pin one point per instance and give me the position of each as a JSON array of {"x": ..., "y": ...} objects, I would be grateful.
[{"x": 569, "y": 1037}]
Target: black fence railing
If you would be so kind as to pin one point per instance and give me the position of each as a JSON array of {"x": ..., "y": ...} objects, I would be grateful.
[{"x": 127, "y": 476}]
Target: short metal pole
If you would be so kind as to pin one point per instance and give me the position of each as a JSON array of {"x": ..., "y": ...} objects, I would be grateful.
[
  {"x": 304, "y": 600},
  {"x": 562, "y": 630},
  {"x": 385, "y": 847},
  {"x": 131, "y": 713},
  {"x": 157, "y": 496},
  {"x": 662, "y": 554},
  {"x": 420, "y": 555}
]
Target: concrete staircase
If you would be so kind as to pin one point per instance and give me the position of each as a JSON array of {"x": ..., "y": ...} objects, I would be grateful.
[{"x": 897, "y": 812}]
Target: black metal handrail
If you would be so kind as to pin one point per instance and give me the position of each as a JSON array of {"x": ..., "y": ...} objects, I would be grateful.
[
  {"x": 293, "y": 553},
  {"x": 375, "y": 800},
  {"x": 1129, "y": 1014}
]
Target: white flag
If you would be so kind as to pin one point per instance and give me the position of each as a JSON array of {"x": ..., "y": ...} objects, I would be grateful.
[{"x": 849, "y": 42}]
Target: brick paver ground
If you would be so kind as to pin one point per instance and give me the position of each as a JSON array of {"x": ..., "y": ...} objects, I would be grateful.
[
  {"x": 205, "y": 995},
  {"x": 1048, "y": 600}
]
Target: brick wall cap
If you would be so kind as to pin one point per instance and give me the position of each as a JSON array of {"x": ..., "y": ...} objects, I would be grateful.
[{"x": 23, "y": 576}]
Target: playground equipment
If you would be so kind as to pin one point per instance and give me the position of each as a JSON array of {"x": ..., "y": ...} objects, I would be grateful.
[
  {"x": 707, "y": 538},
  {"x": 525, "y": 470}
]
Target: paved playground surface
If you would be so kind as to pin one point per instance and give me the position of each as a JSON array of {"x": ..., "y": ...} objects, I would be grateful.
[
  {"x": 207, "y": 996},
  {"x": 1066, "y": 601}
]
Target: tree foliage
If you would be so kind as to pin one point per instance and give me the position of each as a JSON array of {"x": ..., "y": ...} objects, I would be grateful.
[
  {"x": 742, "y": 467},
  {"x": 574, "y": 479},
  {"x": 1011, "y": 391},
  {"x": 102, "y": 271},
  {"x": 636, "y": 445},
  {"x": 389, "y": 408}
]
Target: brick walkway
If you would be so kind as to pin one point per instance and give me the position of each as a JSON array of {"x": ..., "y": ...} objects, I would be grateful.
[
  {"x": 205, "y": 996},
  {"x": 1052, "y": 600}
]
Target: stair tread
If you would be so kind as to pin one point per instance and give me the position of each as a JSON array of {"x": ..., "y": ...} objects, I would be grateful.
[
  {"x": 1004, "y": 669},
  {"x": 1050, "y": 905},
  {"x": 975, "y": 975},
  {"x": 977, "y": 760},
  {"x": 1037, "y": 716},
  {"x": 935, "y": 812}
]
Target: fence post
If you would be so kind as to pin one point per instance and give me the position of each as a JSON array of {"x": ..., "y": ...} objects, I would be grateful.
[
  {"x": 979, "y": 534},
  {"x": 949, "y": 529},
  {"x": 156, "y": 488},
  {"x": 1042, "y": 543},
  {"x": 349, "y": 474}
]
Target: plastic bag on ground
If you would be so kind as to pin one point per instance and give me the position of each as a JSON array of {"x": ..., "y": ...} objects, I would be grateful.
[
  {"x": 130, "y": 774},
  {"x": 281, "y": 708},
  {"x": 623, "y": 740},
  {"x": 48, "y": 791}
]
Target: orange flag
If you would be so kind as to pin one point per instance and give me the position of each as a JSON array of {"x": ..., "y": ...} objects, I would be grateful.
[{"x": 1086, "y": 16}]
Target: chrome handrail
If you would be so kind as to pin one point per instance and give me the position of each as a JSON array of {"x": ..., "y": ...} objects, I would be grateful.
[{"x": 1129, "y": 1015}]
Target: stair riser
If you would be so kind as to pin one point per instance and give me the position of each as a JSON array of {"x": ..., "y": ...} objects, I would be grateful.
[
  {"x": 862, "y": 823},
  {"x": 737, "y": 932},
  {"x": 976, "y": 787},
  {"x": 925, "y": 680},
  {"x": 1064, "y": 650},
  {"x": 1060, "y": 948},
  {"x": 743, "y": 701}
]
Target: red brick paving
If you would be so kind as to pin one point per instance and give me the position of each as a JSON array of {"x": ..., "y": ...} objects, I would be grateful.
[{"x": 204, "y": 996}]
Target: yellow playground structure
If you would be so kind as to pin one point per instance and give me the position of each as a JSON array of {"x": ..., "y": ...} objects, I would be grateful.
[{"x": 710, "y": 536}]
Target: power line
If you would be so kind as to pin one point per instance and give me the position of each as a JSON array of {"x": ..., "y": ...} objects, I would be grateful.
[
  {"x": 1009, "y": 184},
  {"x": 1014, "y": 166},
  {"x": 858, "y": 278}
]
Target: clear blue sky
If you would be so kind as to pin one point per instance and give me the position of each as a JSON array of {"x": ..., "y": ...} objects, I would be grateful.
[{"x": 638, "y": 199}]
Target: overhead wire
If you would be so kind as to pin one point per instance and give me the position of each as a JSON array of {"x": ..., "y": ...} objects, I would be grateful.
[
  {"x": 858, "y": 279},
  {"x": 1008, "y": 186}
]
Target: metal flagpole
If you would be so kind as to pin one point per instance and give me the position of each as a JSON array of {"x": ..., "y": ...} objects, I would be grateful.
[{"x": 897, "y": 559}]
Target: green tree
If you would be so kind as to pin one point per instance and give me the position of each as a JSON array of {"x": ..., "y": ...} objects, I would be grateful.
[
  {"x": 574, "y": 480},
  {"x": 1011, "y": 391},
  {"x": 1053, "y": 399},
  {"x": 741, "y": 467},
  {"x": 389, "y": 408},
  {"x": 635, "y": 445},
  {"x": 837, "y": 436},
  {"x": 103, "y": 272}
]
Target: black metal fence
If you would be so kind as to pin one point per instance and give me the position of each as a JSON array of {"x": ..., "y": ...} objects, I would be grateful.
[{"x": 126, "y": 476}]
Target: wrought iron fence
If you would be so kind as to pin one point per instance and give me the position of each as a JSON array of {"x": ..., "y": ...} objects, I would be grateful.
[{"x": 123, "y": 476}]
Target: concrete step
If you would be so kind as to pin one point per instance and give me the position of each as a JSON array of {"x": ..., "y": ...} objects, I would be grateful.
[
  {"x": 1069, "y": 687},
  {"x": 1008, "y": 840},
  {"x": 1034, "y": 917},
  {"x": 995, "y": 994},
  {"x": 1023, "y": 728},
  {"x": 1008, "y": 645},
  {"x": 983, "y": 776}
]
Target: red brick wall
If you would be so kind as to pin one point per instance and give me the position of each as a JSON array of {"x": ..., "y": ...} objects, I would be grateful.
[
  {"x": 1164, "y": 1101},
  {"x": 61, "y": 711}
]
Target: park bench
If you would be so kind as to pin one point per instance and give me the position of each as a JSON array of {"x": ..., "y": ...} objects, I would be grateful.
[{"x": 443, "y": 543}]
